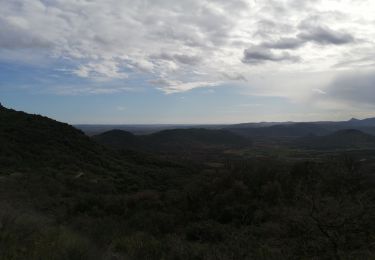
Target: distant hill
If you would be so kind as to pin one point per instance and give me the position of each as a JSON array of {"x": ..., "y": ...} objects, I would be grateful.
[
  {"x": 176, "y": 139},
  {"x": 196, "y": 138},
  {"x": 261, "y": 129},
  {"x": 368, "y": 122},
  {"x": 283, "y": 130},
  {"x": 342, "y": 139},
  {"x": 295, "y": 130},
  {"x": 140, "y": 129},
  {"x": 118, "y": 139}
]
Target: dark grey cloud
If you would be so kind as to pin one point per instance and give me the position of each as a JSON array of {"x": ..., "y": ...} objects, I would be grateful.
[
  {"x": 324, "y": 36},
  {"x": 309, "y": 33},
  {"x": 257, "y": 55},
  {"x": 187, "y": 59},
  {"x": 234, "y": 76},
  {"x": 354, "y": 88},
  {"x": 284, "y": 43},
  {"x": 317, "y": 34},
  {"x": 180, "y": 58}
]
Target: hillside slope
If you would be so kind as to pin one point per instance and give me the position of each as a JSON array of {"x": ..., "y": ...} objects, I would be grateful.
[
  {"x": 60, "y": 190},
  {"x": 36, "y": 141},
  {"x": 33, "y": 145}
]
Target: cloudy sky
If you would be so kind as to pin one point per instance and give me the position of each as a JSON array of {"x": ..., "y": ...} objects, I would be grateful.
[{"x": 188, "y": 61}]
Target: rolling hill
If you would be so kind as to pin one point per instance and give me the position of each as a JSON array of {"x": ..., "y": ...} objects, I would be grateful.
[
  {"x": 119, "y": 139},
  {"x": 172, "y": 140},
  {"x": 342, "y": 139},
  {"x": 296, "y": 130},
  {"x": 282, "y": 130}
]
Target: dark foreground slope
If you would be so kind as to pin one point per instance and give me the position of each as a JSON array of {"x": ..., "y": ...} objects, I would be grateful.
[
  {"x": 59, "y": 189},
  {"x": 32, "y": 143},
  {"x": 62, "y": 196}
]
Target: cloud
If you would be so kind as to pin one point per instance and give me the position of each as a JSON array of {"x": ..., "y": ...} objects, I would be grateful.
[
  {"x": 258, "y": 55},
  {"x": 284, "y": 43},
  {"x": 319, "y": 91},
  {"x": 318, "y": 34},
  {"x": 234, "y": 76},
  {"x": 100, "y": 70},
  {"x": 178, "y": 58},
  {"x": 15, "y": 33},
  {"x": 153, "y": 39},
  {"x": 324, "y": 36},
  {"x": 307, "y": 31},
  {"x": 354, "y": 88},
  {"x": 172, "y": 86},
  {"x": 359, "y": 58},
  {"x": 74, "y": 90}
]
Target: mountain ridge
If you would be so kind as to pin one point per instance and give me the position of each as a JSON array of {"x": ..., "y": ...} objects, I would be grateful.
[
  {"x": 173, "y": 139},
  {"x": 341, "y": 139}
]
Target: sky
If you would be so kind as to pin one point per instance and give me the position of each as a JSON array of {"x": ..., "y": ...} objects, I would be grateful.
[{"x": 188, "y": 61}]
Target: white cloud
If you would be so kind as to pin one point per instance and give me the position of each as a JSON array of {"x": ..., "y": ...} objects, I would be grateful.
[
  {"x": 101, "y": 70},
  {"x": 174, "y": 86},
  {"x": 319, "y": 91}
]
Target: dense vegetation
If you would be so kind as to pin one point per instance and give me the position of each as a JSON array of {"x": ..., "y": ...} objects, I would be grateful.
[{"x": 63, "y": 196}]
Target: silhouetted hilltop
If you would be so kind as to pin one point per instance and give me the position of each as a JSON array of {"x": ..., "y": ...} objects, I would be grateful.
[
  {"x": 199, "y": 136},
  {"x": 118, "y": 139},
  {"x": 369, "y": 122},
  {"x": 294, "y": 130},
  {"x": 175, "y": 139}
]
